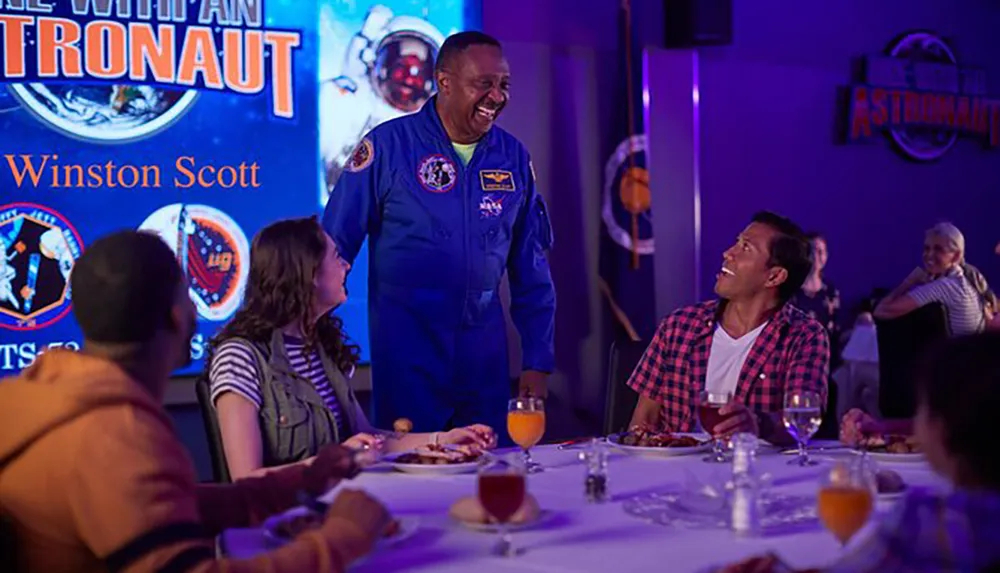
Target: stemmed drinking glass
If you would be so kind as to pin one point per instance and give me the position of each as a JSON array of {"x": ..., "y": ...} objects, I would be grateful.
[
  {"x": 845, "y": 499},
  {"x": 802, "y": 416},
  {"x": 501, "y": 491},
  {"x": 709, "y": 416},
  {"x": 526, "y": 426}
]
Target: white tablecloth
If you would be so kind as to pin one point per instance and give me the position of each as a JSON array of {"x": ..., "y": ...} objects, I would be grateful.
[{"x": 585, "y": 537}]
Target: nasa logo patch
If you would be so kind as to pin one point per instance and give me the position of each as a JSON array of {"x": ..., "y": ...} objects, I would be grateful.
[
  {"x": 38, "y": 247},
  {"x": 213, "y": 252},
  {"x": 362, "y": 156},
  {"x": 490, "y": 207},
  {"x": 437, "y": 174}
]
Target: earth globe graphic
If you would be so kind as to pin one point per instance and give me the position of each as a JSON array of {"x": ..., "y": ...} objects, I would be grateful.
[{"x": 108, "y": 113}]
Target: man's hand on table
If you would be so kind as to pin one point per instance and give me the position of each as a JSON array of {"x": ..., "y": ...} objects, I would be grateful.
[
  {"x": 363, "y": 510},
  {"x": 332, "y": 464},
  {"x": 533, "y": 384},
  {"x": 740, "y": 419}
]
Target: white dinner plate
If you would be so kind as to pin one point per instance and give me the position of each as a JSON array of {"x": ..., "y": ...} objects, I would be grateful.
[
  {"x": 544, "y": 517},
  {"x": 893, "y": 458},
  {"x": 430, "y": 469},
  {"x": 407, "y": 527},
  {"x": 894, "y": 495},
  {"x": 662, "y": 452}
]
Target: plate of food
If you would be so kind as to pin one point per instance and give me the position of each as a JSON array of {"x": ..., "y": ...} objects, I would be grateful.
[
  {"x": 642, "y": 442},
  {"x": 435, "y": 459},
  {"x": 891, "y": 448},
  {"x": 470, "y": 513},
  {"x": 281, "y": 528}
]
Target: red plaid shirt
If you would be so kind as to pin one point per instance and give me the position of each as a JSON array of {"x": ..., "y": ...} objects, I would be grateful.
[{"x": 792, "y": 351}]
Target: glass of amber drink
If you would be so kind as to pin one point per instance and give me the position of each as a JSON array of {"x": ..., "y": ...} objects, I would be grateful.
[
  {"x": 845, "y": 499},
  {"x": 526, "y": 426},
  {"x": 501, "y": 491}
]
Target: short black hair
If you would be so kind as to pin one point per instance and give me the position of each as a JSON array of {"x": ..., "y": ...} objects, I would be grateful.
[
  {"x": 813, "y": 235},
  {"x": 124, "y": 286},
  {"x": 959, "y": 385},
  {"x": 789, "y": 249},
  {"x": 458, "y": 43}
]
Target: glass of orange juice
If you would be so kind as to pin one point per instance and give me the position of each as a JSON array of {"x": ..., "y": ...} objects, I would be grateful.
[
  {"x": 526, "y": 426},
  {"x": 845, "y": 499}
]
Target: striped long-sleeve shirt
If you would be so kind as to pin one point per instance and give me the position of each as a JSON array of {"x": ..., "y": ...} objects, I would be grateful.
[{"x": 234, "y": 370}]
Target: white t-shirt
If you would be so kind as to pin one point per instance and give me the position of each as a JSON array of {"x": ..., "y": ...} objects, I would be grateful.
[{"x": 725, "y": 360}]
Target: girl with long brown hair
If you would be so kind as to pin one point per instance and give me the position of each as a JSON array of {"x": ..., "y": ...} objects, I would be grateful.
[{"x": 278, "y": 371}]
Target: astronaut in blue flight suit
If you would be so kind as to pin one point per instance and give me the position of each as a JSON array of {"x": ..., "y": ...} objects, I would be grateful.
[{"x": 448, "y": 203}]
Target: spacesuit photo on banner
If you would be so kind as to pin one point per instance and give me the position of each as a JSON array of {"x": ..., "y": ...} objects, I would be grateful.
[
  {"x": 376, "y": 63},
  {"x": 203, "y": 149}
]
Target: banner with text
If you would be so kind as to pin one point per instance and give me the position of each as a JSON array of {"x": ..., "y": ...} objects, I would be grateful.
[{"x": 195, "y": 119}]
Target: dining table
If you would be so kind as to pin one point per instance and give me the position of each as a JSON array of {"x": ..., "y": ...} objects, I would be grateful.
[{"x": 626, "y": 533}]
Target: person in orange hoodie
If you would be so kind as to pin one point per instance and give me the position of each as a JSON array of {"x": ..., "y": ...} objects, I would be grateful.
[{"x": 92, "y": 475}]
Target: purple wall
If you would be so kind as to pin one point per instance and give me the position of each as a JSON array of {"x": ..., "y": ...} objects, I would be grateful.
[
  {"x": 769, "y": 104},
  {"x": 768, "y": 108}
]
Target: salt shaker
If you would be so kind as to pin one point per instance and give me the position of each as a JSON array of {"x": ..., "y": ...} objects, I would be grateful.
[
  {"x": 745, "y": 518},
  {"x": 596, "y": 481}
]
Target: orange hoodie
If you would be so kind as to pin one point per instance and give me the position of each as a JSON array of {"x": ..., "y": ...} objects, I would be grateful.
[{"x": 93, "y": 478}]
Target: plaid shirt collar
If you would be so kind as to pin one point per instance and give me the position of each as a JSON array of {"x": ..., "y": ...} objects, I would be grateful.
[{"x": 709, "y": 314}]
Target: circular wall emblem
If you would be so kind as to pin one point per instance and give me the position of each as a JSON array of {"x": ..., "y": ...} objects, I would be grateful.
[
  {"x": 38, "y": 247},
  {"x": 104, "y": 113},
  {"x": 212, "y": 250},
  {"x": 923, "y": 143},
  {"x": 362, "y": 157},
  {"x": 626, "y": 195},
  {"x": 437, "y": 174}
]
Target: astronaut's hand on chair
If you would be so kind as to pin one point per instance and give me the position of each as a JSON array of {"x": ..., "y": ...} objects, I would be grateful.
[{"x": 533, "y": 384}]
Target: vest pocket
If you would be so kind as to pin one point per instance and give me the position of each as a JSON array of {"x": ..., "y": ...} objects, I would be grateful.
[{"x": 288, "y": 415}]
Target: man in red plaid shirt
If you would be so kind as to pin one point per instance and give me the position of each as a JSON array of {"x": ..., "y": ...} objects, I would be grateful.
[{"x": 750, "y": 345}]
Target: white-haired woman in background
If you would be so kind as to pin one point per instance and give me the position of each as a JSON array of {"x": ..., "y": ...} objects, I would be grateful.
[{"x": 945, "y": 278}]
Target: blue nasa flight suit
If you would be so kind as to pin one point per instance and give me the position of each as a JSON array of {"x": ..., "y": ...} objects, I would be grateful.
[{"x": 441, "y": 235}]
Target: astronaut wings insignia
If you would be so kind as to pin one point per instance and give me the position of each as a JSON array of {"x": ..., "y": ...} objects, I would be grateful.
[{"x": 496, "y": 180}]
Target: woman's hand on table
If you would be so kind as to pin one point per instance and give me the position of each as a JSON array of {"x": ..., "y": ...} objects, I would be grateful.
[
  {"x": 475, "y": 435},
  {"x": 365, "y": 441}
]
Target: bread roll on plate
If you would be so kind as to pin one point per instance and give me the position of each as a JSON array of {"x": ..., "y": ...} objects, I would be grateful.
[{"x": 469, "y": 510}]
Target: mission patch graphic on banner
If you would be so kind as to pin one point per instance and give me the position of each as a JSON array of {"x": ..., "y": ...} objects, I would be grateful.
[
  {"x": 212, "y": 250},
  {"x": 133, "y": 67},
  {"x": 496, "y": 180},
  {"x": 38, "y": 247}
]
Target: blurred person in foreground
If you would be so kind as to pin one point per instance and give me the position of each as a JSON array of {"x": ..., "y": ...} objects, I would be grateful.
[
  {"x": 92, "y": 475},
  {"x": 957, "y": 530}
]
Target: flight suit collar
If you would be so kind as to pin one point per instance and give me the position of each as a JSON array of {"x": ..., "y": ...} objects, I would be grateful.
[{"x": 432, "y": 122}]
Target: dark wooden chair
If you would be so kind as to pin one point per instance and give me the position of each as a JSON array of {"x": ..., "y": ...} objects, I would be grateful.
[
  {"x": 901, "y": 343},
  {"x": 220, "y": 470},
  {"x": 621, "y": 400}
]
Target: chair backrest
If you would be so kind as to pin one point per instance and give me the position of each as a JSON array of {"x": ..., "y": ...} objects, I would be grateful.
[
  {"x": 901, "y": 343},
  {"x": 220, "y": 470},
  {"x": 621, "y": 400}
]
